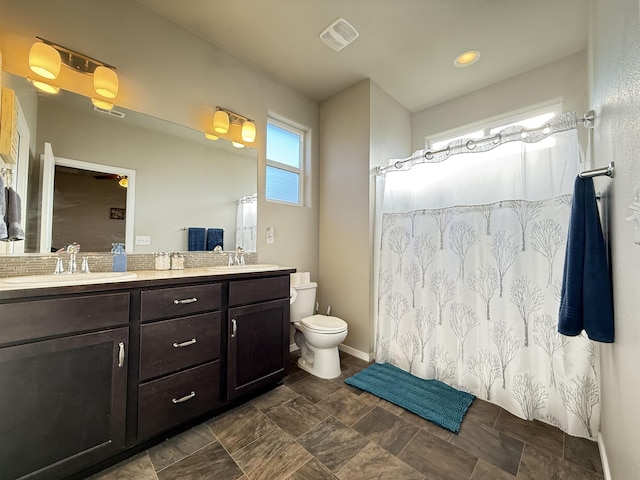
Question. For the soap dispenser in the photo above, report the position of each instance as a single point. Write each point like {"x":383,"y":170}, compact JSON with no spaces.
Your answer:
{"x":119,"y":257}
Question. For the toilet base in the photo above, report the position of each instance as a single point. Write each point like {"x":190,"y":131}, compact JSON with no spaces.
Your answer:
{"x":324,"y":364}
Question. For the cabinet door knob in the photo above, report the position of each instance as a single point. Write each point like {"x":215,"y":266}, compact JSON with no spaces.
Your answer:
{"x":184,"y":344}
{"x":184,"y":300}
{"x":121,"y":354}
{"x":184,"y":399}
{"x":234,"y":327}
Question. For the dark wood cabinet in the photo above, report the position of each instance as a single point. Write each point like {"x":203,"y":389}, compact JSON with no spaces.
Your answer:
{"x":63,"y":403}
{"x":89,"y":372}
{"x":257,"y":334}
{"x":180,"y":346}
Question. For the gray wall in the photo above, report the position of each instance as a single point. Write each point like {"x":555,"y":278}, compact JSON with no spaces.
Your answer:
{"x":615,"y":96}
{"x":361,"y":127}
{"x":344,"y":211}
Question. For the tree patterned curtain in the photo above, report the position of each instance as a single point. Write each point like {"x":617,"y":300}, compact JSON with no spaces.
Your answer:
{"x":469,"y":278}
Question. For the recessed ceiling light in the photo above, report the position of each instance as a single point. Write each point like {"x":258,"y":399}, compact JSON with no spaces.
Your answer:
{"x":466,"y":58}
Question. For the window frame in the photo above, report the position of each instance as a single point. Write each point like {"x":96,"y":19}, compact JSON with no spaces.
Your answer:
{"x":489,"y":124}
{"x":300,"y":171}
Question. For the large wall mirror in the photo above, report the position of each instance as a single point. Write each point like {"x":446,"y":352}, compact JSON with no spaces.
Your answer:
{"x":182,"y":180}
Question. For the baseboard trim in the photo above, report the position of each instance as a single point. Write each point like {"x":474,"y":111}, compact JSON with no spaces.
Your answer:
{"x":367,"y":357}
{"x":603,"y":457}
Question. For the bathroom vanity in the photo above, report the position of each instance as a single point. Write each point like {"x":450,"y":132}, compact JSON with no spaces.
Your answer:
{"x":91,"y":371}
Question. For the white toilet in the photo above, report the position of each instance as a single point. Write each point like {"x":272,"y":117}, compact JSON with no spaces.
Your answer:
{"x":317,"y":336}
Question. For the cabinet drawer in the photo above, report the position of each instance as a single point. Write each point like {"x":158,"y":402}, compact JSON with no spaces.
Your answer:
{"x":177,"y":398}
{"x":60,"y":316}
{"x":243,"y":292}
{"x":178,"y":301}
{"x":171,"y":345}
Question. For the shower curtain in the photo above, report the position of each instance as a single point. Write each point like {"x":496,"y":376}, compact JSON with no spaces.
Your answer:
{"x":470,"y":270}
{"x":247,"y":222}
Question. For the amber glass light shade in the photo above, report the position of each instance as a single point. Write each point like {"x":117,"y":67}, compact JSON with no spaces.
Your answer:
{"x":44,"y":60}
{"x":105,"y":82}
{"x":221,"y":121}
{"x":248,"y":131}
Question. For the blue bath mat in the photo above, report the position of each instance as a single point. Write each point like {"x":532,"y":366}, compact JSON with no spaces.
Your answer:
{"x":431,"y":399}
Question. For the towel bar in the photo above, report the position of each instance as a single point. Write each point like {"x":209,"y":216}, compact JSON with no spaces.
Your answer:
{"x":598,"y":172}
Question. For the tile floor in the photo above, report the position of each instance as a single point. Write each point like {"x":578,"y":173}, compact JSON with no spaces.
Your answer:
{"x":313,"y":429}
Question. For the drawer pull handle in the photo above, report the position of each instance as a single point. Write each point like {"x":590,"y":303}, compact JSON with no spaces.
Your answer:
{"x":234,"y":327}
{"x":184,"y":344}
{"x":185,"y":300}
{"x":121,"y":354}
{"x":184,"y":399}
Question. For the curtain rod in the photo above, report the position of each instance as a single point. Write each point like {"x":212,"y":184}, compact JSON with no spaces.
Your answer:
{"x":564,"y":122}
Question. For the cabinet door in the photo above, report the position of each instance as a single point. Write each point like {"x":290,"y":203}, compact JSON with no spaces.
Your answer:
{"x":63,"y":404}
{"x":258,"y":346}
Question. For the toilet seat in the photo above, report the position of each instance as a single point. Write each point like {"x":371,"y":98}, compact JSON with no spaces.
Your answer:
{"x":324,"y":324}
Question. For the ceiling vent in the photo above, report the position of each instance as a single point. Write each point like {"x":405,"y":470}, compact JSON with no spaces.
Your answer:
{"x":339,"y":34}
{"x":113,"y":113}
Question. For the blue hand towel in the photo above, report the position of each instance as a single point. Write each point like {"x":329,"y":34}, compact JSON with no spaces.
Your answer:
{"x":587,"y":299}
{"x":196,"y":239}
{"x":215,"y":237}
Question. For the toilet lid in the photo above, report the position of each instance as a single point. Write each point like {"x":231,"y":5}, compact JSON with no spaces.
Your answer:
{"x":324,"y":324}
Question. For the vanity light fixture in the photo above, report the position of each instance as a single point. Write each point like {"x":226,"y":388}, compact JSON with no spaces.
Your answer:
{"x":44,"y":60}
{"x":123,"y":182}
{"x":103,"y":104}
{"x":46,"y":57}
{"x":44,"y":87}
{"x":221,"y":121}
{"x":105,"y":82}
{"x":466,"y":58}
{"x":248,"y":131}
{"x":224,"y":119}
{"x":238,"y":144}
{"x":210,"y":136}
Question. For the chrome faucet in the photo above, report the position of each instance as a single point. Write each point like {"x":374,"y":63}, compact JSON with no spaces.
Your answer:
{"x":73,"y":250}
{"x":239,"y":260}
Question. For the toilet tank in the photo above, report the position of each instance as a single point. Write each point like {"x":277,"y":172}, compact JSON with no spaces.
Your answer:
{"x":304,"y":302}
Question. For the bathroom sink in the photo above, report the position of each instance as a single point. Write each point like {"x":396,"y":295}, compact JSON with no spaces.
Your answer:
{"x":66,"y":279}
{"x":258,"y":267}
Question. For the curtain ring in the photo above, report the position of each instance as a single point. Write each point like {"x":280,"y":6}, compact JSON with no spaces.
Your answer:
{"x":428,"y":155}
{"x":471,"y":145}
{"x":546,"y":129}
{"x":398,"y":165}
{"x":497,"y":139}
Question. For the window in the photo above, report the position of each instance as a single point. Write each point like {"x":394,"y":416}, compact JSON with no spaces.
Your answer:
{"x":285,"y":152}
{"x":531,"y":119}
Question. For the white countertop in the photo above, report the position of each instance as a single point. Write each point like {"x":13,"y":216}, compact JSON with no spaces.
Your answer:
{"x":65,"y":280}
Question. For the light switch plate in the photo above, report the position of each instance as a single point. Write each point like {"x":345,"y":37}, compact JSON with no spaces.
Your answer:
{"x":143,"y":240}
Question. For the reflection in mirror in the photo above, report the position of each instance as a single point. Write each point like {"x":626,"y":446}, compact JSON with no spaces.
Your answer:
{"x":80,"y":198}
{"x":182,"y":179}
{"x":76,"y":210}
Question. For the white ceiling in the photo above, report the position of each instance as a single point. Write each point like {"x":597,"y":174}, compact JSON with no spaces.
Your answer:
{"x":406,"y":47}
